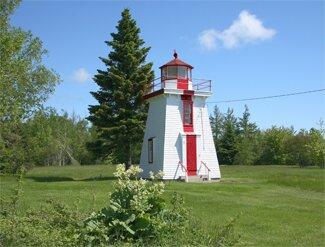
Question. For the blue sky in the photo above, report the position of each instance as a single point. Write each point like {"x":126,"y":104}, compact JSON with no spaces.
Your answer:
{"x":248,"y":49}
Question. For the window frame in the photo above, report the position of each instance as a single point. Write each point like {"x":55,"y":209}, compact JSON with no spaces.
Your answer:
{"x":150,"y":150}
{"x":169,"y":76}
{"x":165,"y":75}
{"x":187,"y":103}
{"x":179,"y":68}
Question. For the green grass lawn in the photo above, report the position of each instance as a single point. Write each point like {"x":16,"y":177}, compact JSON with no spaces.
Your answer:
{"x":281,"y":206}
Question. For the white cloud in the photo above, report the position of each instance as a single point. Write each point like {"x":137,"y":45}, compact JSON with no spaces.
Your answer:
{"x":245,"y":29}
{"x":81,"y":75}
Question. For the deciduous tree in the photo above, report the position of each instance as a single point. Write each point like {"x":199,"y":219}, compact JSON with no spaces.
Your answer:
{"x":25,"y":83}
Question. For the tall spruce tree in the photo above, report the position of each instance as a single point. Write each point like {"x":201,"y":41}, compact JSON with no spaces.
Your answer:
{"x":246,"y":143}
{"x":216,"y":120}
{"x":121,"y":113}
{"x":228,"y":141}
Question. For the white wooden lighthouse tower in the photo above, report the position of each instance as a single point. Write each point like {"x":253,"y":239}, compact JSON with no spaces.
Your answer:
{"x":178,"y":138}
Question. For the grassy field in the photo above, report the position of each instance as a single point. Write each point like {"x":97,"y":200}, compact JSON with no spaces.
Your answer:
{"x":281,"y":206}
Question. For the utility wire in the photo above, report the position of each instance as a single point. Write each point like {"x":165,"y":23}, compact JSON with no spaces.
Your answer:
{"x":267,"y":97}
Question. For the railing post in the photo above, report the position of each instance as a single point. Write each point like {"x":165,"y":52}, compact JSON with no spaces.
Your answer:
{"x":185,"y":170}
{"x":206,"y":168}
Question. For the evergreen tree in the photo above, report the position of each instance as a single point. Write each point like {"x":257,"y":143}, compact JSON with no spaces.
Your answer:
{"x":216,"y":121}
{"x":228,"y":139}
{"x":121,"y":113}
{"x":246,"y":143}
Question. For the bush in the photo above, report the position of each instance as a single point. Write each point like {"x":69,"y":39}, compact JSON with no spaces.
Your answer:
{"x":138,"y":215}
{"x":136,"y":212}
{"x":53,"y":225}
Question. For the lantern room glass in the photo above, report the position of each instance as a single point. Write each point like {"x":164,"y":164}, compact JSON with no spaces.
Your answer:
{"x":175,"y":72}
{"x":172,"y":72}
{"x":182,"y":72}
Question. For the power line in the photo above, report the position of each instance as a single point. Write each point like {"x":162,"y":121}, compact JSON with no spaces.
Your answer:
{"x":267,"y":97}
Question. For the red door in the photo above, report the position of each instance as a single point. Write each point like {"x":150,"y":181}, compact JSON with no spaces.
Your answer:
{"x":191,"y":154}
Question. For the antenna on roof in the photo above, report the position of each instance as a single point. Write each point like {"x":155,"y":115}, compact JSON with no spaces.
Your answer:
{"x":175,"y":54}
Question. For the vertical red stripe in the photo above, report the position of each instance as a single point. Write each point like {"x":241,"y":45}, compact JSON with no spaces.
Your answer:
{"x":191,"y":154}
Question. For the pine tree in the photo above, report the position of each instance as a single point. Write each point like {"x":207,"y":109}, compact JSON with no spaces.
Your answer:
{"x":228,"y":139}
{"x":246,"y":143}
{"x":246,"y":128}
{"x":121,"y":113}
{"x":216,"y":121}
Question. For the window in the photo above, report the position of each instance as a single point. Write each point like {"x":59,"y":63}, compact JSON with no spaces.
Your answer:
{"x":150,"y":150}
{"x":182,"y":72}
{"x":187,"y":110}
{"x":172,"y":71}
{"x":164,"y":73}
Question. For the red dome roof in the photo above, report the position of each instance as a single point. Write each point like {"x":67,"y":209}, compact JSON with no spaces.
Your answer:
{"x":176,"y":62}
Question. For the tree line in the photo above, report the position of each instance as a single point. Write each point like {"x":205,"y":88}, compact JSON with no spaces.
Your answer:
{"x":239,"y":141}
{"x":46,"y":138}
{"x":30,"y":134}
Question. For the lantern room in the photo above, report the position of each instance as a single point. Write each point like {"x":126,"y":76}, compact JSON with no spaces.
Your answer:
{"x":176,"y":74}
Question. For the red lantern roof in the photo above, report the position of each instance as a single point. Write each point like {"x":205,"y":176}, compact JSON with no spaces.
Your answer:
{"x":176,"y":62}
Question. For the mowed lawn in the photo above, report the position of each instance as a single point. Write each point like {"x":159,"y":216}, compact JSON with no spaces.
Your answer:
{"x":280,"y":206}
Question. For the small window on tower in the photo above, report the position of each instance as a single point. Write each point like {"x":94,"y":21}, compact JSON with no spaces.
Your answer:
{"x":150,"y":150}
{"x":187,"y":112}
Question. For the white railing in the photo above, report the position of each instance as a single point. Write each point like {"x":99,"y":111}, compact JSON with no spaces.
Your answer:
{"x":202,"y":85}
{"x":183,"y":169}
{"x":207,"y":169}
{"x":194,"y":84}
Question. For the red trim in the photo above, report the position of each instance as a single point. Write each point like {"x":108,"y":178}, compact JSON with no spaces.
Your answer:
{"x":187,"y":100}
{"x":186,"y":97}
{"x":188,"y":92}
{"x":188,"y":128}
{"x":191,"y":155}
{"x":182,"y":84}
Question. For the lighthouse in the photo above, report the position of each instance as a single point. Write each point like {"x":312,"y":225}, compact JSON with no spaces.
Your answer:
{"x":178,"y":138}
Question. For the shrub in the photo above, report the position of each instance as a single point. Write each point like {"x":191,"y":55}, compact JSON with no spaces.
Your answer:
{"x":138,"y":215}
{"x":53,"y":225}
{"x":136,"y":212}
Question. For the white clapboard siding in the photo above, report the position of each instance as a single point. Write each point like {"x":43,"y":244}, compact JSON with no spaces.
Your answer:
{"x":173,"y":138}
{"x":205,"y":143}
{"x":165,"y":126}
{"x":154,"y":129}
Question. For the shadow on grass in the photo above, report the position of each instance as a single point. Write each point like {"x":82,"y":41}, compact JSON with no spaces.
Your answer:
{"x":99,"y":178}
{"x":48,"y":179}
